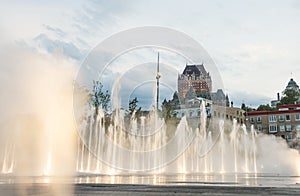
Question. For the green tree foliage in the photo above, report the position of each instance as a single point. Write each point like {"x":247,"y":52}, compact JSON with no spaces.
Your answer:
{"x":246,"y":108}
{"x":168,"y":112}
{"x":99,"y":97}
{"x":290,"y":96}
{"x":175,"y":99}
{"x":265,"y":108}
{"x":133,"y":107}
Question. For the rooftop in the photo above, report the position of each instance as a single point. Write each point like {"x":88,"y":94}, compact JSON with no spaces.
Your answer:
{"x":194,"y":69}
{"x":283,"y":109}
{"x":292,"y":84}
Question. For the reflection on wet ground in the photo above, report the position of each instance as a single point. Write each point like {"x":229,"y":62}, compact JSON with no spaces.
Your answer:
{"x":170,"y":179}
{"x":151,"y":184}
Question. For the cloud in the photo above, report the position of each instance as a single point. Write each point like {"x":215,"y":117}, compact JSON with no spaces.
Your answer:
{"x":69,"y":49}
{"x":57,"y":31}
{"x":249,"y":98}
{"x":261,"y":47}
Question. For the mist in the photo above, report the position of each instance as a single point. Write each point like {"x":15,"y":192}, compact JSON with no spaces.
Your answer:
{"x":37,"y":129}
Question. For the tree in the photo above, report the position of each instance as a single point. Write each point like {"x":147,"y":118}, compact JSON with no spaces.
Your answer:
{"x":133,"y":107}
{"x":167,"y":110}
{"x":246,"y":108}
{"x":175,"y":101}
{"x":265,"y":108}
{"x":99,"y":97}
{"x":290,"y":96}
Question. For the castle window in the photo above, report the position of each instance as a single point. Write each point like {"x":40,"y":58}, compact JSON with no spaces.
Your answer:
{"x":282,"y":128}
{"x":288,"y":117}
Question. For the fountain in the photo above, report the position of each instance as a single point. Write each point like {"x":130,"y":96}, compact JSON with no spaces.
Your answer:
{"x":114,"y":148}
{"x":142,"y":149}
{"x":142,"y":145}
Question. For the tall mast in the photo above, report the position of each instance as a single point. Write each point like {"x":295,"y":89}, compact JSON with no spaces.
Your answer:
{"x":157,"y":82}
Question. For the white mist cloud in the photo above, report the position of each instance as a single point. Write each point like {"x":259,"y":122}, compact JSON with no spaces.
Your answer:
{"x":37,"y":111}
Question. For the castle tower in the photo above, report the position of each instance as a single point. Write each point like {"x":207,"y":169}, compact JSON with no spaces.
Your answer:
{"x":194,"y":76}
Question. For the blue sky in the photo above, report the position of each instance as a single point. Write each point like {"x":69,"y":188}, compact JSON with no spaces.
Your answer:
{"x":255,"y":44}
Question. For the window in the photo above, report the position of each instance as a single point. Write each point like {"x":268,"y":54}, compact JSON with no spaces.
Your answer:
{"x":288,"y":117}
{"x":251,"y":120}
{"x":258,"y":119}
{"x":199,"y":113}
{"x":272,"y":118}
{"x":259,"y":128}
{"x":288,"y":128}
{"x":282,"y":128}
{"x":281,"y":118}
{"x":298,"y":127}
{"x":298,"y":135}
{"x":273,"y":128}
{"x":182,"y":114}
{"x":289,"y":137}
{"x":191,"y":114}
{"x":297,"y":116}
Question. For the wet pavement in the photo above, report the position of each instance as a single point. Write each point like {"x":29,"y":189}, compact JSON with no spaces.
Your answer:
{"x":242,"y":184}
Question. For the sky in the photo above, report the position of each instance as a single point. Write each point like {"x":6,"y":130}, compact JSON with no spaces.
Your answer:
{"x":255,"y":44}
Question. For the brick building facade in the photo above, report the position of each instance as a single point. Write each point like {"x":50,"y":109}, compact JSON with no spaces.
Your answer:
{"x":284,"y":122}
{"x":194,"y":76}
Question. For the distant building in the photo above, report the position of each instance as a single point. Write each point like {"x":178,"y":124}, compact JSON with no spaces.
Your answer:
{"x":291,"y":85}
{"x":228,"y":113}
{"x":192,"y":108}
{"x":284,"y":122}
{"x":194,"y":87}
{"x":219,"y":98}
{"x":194,"y":76}
{"x":276,"y":101}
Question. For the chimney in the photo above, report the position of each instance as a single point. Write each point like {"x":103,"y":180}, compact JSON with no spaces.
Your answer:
{"x":278,"y":97}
